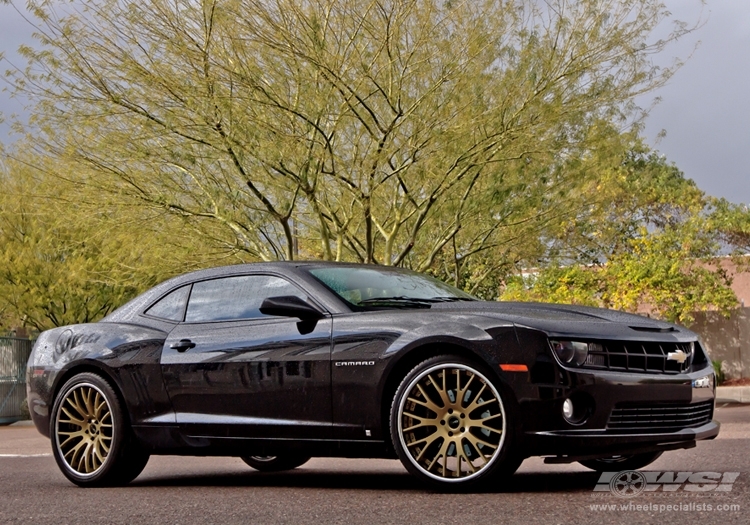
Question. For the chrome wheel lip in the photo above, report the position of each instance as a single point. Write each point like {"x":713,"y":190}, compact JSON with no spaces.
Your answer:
{"x":68,"y":467}
{"x":613,"y":460}
{"x":263,"y":459}
{"x":404,"y":446}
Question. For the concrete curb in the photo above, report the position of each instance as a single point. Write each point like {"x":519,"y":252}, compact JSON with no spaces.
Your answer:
{"x":733,"y":394}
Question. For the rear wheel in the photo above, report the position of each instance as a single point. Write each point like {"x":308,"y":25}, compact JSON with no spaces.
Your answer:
{"x":450,"y":424}
{"x":91,"y":440}
{"x":275,"y":463}
{"x":619,"y":463}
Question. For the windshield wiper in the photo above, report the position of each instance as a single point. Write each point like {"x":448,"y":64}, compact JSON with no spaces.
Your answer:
{"x":399,"y":300}
{"x":417,"y":301}
{"x":449,"y":299}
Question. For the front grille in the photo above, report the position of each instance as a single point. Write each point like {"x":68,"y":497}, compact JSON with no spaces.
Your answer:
{"x":630,"y":416}
{"x":637,"y":356}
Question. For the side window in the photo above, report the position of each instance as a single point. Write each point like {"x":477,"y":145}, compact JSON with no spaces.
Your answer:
{"x":237,"y":297}
{"x":172,"y":306}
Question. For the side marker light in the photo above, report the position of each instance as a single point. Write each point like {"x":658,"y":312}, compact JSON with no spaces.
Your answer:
{"x":514,"y":368}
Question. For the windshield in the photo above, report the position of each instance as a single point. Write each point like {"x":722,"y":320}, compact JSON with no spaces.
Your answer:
{"x":386,"y":287}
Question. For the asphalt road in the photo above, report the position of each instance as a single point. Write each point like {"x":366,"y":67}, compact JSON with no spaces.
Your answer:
{"x":329,"y":491}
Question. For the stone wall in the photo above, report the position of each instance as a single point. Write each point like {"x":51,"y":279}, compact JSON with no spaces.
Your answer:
{"x":726,"y":339}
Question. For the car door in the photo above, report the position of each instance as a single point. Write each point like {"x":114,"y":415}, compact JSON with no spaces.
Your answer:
{"x":232,"y":371}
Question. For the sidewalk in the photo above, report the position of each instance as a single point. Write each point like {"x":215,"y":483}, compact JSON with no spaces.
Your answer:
{"x":733,"y":394}
{"x":22,"y":440}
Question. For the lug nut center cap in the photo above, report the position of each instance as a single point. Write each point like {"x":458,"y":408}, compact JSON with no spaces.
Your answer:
{"x":454,"y":422}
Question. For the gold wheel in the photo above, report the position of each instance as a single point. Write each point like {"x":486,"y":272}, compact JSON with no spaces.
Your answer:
{"x":84,"y":429}
{"x":451,"y":422}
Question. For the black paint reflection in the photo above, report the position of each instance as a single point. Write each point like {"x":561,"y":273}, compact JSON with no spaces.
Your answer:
{"x":262,"y":373}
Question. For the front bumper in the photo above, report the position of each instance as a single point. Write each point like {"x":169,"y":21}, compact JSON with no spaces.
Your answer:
{"x":584,"y":444}
{"x":603,"y":394}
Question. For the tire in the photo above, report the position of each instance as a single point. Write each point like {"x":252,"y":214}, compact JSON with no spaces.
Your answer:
{"x":620,"y":463}
{"x":92,"y":442}
{"x":452,"y":426}
{"x":275,"y":463}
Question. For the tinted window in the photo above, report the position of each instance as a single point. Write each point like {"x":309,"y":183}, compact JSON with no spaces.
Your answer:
{"x":171,"y":306}
{"x":361,"y":284}
{"x":235,"y":297}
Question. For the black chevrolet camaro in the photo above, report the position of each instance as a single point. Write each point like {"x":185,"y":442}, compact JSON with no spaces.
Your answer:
{"x":280,"y":362}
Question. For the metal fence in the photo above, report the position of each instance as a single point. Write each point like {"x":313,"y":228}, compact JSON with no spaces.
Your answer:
{"x":14,"y":353}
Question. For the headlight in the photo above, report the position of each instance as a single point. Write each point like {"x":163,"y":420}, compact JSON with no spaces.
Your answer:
{"x":571,"y":352}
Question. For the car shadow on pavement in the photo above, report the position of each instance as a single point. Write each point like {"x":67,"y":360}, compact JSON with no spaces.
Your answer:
{"x":523,"y":482}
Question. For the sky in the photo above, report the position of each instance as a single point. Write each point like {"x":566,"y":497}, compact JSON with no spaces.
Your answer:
{"x":703,"y":113}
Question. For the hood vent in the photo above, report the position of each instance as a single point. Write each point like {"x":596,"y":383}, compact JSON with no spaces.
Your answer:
{"x":654,"y":329}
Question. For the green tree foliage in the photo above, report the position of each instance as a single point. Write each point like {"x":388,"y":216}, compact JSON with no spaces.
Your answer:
{"x":732,"y":223}
{"x":370,"y":130}
{"x":646,"y":243}
{"x":65,"y":261}
{"x":471,"y":139}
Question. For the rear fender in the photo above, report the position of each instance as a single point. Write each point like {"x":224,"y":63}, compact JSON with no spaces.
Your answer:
{"x":127,"y":355}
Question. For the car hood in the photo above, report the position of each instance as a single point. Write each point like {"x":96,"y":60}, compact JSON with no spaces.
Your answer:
{"x":569,"y":320}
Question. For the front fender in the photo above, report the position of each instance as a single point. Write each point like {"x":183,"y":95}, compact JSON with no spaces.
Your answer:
{"x":462,"y":334}
{"x":490,"y":340}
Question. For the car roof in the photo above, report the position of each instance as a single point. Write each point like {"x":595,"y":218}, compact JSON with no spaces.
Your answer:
{"x":134,"y":307}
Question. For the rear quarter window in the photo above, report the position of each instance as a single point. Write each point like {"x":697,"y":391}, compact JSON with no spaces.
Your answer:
{"x":171,"y":307}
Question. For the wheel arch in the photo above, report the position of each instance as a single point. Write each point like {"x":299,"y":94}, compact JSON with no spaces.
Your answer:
{"x":93,"y":367}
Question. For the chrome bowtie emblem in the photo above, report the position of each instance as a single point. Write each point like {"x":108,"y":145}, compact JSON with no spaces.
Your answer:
{"x":678,"y":356}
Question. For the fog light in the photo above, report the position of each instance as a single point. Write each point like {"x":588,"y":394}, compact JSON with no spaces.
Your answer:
{"x":568,"y":409}
{"x":704,"y":382}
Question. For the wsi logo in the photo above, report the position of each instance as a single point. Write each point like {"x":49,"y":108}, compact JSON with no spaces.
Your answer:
{"x":630,"y":483}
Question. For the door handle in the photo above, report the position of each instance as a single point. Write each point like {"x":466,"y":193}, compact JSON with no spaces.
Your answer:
{"x":182,"y":345}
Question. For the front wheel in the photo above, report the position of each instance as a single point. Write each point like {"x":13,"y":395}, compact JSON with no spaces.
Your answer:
{"x":620,"y":463}
{"x":275,"y":463}
{"x":91,"y":440}
{"x":450,"y":424}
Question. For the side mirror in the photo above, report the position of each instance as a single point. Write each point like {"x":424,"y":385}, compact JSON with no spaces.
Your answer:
{"x":290,"y":306}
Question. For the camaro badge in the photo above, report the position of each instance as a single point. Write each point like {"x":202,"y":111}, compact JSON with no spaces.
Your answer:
{"x":355,"y":363}
{"x":678,"y":356}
